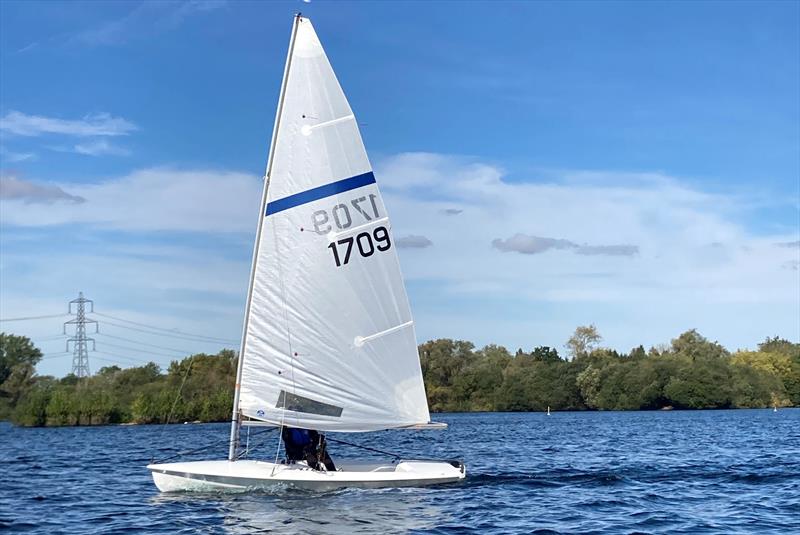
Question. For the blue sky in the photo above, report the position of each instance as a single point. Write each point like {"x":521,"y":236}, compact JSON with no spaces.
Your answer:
{"x":632,"y":165}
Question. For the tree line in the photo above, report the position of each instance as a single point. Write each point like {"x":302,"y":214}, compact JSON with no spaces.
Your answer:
{"x":689,"y":373}
{"x":141,"y":394}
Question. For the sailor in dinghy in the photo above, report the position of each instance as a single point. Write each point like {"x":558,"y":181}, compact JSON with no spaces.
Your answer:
{"x":308,"y":446}
{"x":325,"y":295}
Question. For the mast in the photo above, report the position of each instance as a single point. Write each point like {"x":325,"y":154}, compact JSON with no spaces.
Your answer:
{"x":234,"y":440}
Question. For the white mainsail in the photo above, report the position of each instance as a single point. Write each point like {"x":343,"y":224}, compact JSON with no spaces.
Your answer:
{"x":329,"y":338}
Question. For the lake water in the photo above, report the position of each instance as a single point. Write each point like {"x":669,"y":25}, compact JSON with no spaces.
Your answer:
{"x":612,"y":472}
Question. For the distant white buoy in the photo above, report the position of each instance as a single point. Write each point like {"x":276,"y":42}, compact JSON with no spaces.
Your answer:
{"x":548,"y":410}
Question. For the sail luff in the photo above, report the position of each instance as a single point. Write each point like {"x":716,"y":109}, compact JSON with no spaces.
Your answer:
{"x":234,"y":440}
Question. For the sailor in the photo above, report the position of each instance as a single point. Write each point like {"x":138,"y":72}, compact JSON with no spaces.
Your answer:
{"x":307,"y":445}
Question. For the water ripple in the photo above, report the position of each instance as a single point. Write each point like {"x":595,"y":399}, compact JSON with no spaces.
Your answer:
{"x":678,"y":472}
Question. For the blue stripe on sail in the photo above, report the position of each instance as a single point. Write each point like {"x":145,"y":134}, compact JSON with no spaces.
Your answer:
{"x":320,"y":192}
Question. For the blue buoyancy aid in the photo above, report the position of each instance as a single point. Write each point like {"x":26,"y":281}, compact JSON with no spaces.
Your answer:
{"x":300,"y":437}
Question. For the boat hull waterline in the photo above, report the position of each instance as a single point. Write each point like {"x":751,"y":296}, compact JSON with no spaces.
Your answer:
{"x":204,"y":476}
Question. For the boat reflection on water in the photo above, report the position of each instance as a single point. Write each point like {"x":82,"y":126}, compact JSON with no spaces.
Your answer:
{"x":343,"y":511}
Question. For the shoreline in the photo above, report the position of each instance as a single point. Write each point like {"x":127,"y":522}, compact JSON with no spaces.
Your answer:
{"x":544,"y":412}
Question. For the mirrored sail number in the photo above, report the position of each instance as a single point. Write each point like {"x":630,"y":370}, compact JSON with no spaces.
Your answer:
{"x":364,"y":208}
{"x":365,"y":242}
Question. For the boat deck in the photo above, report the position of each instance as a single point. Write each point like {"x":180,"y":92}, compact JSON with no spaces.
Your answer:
{"x":250,"y":474}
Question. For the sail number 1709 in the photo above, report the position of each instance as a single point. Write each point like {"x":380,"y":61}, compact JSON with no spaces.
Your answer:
{"x":366,"y":243}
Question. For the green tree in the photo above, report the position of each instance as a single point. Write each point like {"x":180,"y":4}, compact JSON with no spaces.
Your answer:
{"x":32,"y":410}
{"x":583,"y":341}
{"x":17,"y":383}
{"x":514,"y":394}
{"x":18,"y":359}
{"x":474,"y":388}
{"x":60,"y":407}
{"x":693,"y":345}
{"x":589,"y":384}
{"x":638,"y":353}
{"x":442,"y":361}
{"x":773,"y":369}
{"x":15,"y":351}
{"x":545,"y":354}
{"x":705,"y":384}
{"x":780,"y":346}
{"x":689,"y":373}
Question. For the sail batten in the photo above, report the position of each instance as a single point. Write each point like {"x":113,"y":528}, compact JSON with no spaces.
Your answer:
{"x":330,"y":342}
{"x":307,"y":130}
{"x":361,"y":340}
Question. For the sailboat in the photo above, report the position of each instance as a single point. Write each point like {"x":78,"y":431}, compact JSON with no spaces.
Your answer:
{"x":328,"y":341}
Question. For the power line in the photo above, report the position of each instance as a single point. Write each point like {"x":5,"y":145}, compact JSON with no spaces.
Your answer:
{"x":183,"y":351}
{"x":109,"y":360}
{"x":48,"y":356}
{"x":51,"y":338}
{"x":148,"y":352}
{"x":142,"y":361}
{"x":176,"y":336}
{"x":34,"y":318}
{"x":172,"y":332}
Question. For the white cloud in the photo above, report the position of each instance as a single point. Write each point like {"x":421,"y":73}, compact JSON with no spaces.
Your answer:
{"x":698,"y":264}
{"x":146,"y":19}
{"x":7,"y":156}
{"x":153,"y":199}
{"x":413,"y":242}
{"x":525,"y":244}
{"x":100,"y":147}
{"x":451,"y":211}
{"x":522,"y":243}
{"x":607,"y":250}
{"x":15,"y":189}
{"x":26,"y":48}
{"x":665,"y":229}
{"x":98,"y":124}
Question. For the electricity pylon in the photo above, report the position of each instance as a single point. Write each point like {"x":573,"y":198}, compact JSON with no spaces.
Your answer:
{"x":80,"y":348}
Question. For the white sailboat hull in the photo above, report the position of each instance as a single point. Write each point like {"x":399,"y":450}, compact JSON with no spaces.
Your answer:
{"x":204,"y":476}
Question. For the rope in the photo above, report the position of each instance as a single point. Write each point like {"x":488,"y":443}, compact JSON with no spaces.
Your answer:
{"x":280,"y":437}
{"x":257,"y":444}
{"x":212,"y":445}
{"x":269,"y":429}
{"x":387,"y":453}
{"x":178,"y":395}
